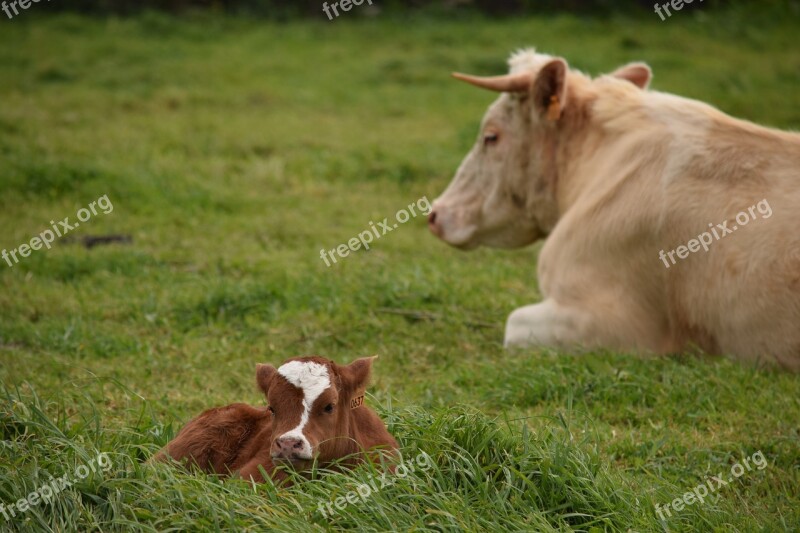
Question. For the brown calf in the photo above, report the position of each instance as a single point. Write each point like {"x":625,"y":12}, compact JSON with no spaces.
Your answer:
{"x":316,"y":412}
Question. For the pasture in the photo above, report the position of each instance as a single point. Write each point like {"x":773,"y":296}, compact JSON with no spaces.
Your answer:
{"x":233,"y":150}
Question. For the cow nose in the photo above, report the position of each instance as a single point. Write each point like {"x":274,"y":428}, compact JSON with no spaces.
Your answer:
{"x":290,"y":444}
{"x":432,"y":225}
{"x":289,"y":447}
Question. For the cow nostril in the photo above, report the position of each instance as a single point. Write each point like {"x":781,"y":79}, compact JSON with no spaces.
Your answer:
{"x":432,"y":218}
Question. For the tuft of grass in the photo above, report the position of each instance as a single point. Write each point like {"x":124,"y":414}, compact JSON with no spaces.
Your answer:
{"x":461,"y":470}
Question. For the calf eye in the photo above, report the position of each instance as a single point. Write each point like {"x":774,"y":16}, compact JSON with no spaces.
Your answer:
{"x":490,"y":138}
{"x":329,"y":408}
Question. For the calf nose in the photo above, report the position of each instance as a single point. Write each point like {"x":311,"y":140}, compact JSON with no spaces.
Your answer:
{"x":289,"y":446}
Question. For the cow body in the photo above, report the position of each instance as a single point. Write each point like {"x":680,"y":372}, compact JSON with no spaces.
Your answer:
{"x":614,"y":177}
{"x":224,"y":440}
{"x":316,"y":412}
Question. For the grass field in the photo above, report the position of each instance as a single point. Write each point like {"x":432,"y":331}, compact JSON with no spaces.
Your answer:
{"x":232,"y":151}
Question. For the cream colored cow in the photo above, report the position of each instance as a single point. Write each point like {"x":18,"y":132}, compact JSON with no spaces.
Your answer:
{"x":629,"y":186}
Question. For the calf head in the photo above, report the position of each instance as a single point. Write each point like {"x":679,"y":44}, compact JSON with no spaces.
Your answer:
{"x":311,"y":400}
{"x":504,"y":193}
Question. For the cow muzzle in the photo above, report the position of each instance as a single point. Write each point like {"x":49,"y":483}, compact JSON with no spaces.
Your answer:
{"x":444,"y":223}
{"x":290,"y":448}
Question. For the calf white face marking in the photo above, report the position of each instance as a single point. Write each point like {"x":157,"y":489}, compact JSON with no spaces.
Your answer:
{"x":313,"y":379}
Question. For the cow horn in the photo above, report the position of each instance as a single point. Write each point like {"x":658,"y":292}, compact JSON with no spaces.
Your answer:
{"x":510,"y":83}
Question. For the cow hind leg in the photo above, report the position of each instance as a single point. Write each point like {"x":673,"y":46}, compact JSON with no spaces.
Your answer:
{"x":193,"y":446}
{"x":214,"y":440}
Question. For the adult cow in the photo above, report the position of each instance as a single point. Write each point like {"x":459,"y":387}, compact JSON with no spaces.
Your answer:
{"x":316,"y":412}
{"x":614,"y":174}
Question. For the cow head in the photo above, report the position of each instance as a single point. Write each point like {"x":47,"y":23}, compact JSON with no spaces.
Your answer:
{"x":311,"y":400}
{"x":504,"y":193}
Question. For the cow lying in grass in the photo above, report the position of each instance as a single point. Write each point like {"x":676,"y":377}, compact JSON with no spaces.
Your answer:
{"x":639,"y":194}
{"x":316,"y":412}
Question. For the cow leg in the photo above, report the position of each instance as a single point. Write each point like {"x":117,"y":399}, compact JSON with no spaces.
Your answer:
{"x":251,"y":471}
{"x":559,"y":326}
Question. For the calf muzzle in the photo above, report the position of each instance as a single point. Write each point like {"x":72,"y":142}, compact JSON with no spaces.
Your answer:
{"x":290,"y":449}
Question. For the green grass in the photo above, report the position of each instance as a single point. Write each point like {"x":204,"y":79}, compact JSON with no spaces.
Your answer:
{"x":233,"y":150}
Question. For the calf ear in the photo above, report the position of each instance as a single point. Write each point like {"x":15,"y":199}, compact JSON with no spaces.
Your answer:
{"x":264,"y":375}
{"x":356,"y":375}
{"x":638,"y":74}
{"x":550,"y":89}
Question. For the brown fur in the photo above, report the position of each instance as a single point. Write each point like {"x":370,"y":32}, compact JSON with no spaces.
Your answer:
{"x":240,"y":439}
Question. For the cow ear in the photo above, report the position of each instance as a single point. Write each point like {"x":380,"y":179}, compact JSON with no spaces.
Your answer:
{"x":264,"y":375}
{"x":550,"y":89}
{"x":356,"y":375}
{"x":638,"y":74}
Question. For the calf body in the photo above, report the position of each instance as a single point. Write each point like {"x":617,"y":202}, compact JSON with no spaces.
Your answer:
{"x":316,"y":412}
{"x":224,"y":440}
{"x":614,"y":175}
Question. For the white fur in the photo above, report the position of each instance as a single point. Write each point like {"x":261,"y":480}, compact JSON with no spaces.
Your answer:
{"x":527,"y":59}
{"x":313,"y":379}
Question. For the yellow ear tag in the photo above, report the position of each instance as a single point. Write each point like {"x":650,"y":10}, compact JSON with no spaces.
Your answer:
{"x":554,"y":109}
{"x":357,"y":402}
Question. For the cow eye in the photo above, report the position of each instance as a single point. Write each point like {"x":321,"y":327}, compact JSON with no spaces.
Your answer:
{"x":271,"y":409}
{"x":490,"y":138}
{"x":329,"y":408}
